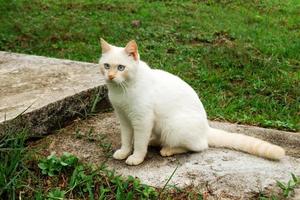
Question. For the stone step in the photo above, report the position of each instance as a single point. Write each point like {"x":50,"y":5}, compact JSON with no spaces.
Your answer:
{"x":45,"y":92}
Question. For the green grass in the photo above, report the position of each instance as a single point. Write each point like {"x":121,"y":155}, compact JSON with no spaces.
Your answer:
{"x":12,"y":159}
{"x":242,"y":57}
{"x":289,"y":187}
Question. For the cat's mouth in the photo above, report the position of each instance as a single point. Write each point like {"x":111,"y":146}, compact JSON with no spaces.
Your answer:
{"x":110,"y":80}
{"x":113,"y":81}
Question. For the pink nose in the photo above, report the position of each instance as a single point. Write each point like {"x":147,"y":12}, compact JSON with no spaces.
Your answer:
{"x":111,"y":77}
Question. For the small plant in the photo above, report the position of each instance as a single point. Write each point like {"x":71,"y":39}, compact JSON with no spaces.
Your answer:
{"x":106,"y":146}
{"x":90,"y":136}
{"x":131,"y":187}
{"x":52,"y":165}
{"x":263,"y":197}
{"x":56,"y":194}
{"x":290,"y":186}
{"x":78,"y":134}
{"x":12,"y":159}
{"x":161,"y":192}
{"x":82,"y":180}
{"x":96,"y":100}
{"x":287,"y":188}
{"x":38,"y":195}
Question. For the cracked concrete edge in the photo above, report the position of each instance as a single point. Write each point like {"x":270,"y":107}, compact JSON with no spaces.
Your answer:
{"x":56,"y":115}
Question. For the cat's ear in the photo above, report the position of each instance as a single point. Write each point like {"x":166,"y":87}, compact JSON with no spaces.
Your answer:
{"x":132,"y":49}
{"x":104,"y":46}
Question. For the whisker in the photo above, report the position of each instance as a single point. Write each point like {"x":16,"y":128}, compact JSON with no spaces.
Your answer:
{"x":124,"y":89}
{"x":120,"y":84}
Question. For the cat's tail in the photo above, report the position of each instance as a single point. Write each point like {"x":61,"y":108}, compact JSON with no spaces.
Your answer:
{"x":251,"y":145}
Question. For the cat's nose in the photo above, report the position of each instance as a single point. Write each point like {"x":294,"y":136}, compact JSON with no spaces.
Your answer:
{"x":111,"y":77}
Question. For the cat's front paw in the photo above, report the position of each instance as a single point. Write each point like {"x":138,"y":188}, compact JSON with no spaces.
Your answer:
{"x":134,"y":160}
{"x":121,"y":154}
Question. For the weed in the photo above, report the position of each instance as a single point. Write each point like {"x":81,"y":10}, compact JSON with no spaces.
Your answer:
{"x":56,"y":194}
{"x":105,"y":145}
{"x":96,"y":100}
{"x":80,"y":180}
{"x":12,"y":159}
{"x":52,"y":165}
{"x":38,"y":195}
{"x":161,"y":192}
{"x":90,"y":135}
{"x":289,"y":187}
{"x":286,"y":188}
{"x":78,"y":134}
{"x":263,"y":197}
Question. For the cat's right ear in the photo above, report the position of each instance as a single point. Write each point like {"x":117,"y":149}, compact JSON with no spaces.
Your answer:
{"x":132,"y":49}
{"x":104,"y":46}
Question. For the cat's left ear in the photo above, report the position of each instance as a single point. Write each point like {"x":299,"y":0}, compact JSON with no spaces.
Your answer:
{"x":132,"y":49}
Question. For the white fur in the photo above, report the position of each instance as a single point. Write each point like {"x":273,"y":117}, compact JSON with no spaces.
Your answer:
{"x":156,"y":107}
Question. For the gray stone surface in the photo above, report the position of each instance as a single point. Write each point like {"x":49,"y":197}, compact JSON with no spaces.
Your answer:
{"x":221,"y":173}
{"x":47,"y":91}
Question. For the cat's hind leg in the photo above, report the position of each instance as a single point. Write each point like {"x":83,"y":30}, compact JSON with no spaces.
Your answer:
{"x":169,"y":151}
{"x":194,"y":143}
{"x":198,"y":146}
{"x":182,"y":133}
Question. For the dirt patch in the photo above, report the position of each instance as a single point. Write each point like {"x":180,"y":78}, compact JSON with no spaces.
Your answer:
{"x":218,"y":39}
{"x":83,"y":138}
{"x":223,"y":39}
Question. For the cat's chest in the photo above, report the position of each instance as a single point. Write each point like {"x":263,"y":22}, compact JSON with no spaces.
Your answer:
{"x":121,"y":100}
{"x":132,"y":103}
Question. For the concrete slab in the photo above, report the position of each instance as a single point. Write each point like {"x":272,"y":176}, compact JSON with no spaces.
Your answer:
{"x":221,"y":173}
{"x":47,"y":90}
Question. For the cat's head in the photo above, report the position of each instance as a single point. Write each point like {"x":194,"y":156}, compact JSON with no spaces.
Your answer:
{"x":118,"y":64}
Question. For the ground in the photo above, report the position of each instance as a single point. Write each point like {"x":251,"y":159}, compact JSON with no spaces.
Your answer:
{"x":226,"y":174}
{"x":240,"y":56}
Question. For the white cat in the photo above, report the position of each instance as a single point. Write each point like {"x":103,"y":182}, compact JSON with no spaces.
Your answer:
{"x":155,"y":107}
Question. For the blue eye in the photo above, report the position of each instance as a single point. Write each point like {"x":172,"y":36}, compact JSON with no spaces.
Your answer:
{"x":121,"y":67}
{"x":106,"y":66}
